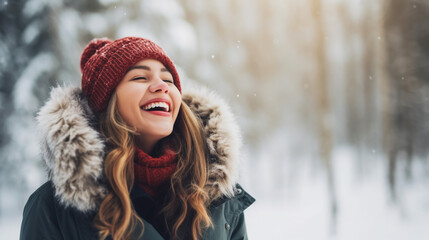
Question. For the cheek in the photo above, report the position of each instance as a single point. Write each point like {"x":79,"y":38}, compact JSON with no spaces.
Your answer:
{"x":177,"y":101}
{"x":125,"y":108}
{"x":123,"y":111}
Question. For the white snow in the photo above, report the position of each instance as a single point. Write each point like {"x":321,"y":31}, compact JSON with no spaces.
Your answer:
{"x":107,"y":2}
{"x":24,"y":99}
{"x":10,"y":226}
{"x":33,"y":7}
{"x":364,"y":209}
{"x":184,"y":36}
{"x":31,"y":32}
{"x":96,"y":23}
{"x":165,"y":8}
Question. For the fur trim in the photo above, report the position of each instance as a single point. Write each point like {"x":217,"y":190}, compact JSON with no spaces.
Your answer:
{"x":222,"y":137}
{"x":74,"y":151}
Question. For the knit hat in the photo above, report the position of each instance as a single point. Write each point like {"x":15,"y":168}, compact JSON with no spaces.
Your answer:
{"x":104,"y":63}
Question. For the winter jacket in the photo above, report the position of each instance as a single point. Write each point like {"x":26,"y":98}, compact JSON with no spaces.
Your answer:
{"x":74,"y":150}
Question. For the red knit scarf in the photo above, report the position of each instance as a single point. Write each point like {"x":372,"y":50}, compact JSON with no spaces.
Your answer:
{"x":152,"y":172}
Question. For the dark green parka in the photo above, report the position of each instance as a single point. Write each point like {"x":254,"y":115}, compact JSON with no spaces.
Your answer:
{"x":73,"y":149}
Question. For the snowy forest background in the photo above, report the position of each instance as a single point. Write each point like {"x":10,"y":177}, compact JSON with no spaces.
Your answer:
{"x":332,"y":98}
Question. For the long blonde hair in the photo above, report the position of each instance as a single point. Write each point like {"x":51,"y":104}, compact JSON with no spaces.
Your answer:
{"x":185,"y":211}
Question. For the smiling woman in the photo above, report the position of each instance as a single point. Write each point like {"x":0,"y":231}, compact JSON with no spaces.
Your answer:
{"x":149,"y":101}
{"x":130,"y":157}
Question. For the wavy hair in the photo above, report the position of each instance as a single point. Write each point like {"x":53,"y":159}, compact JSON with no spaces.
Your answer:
{"x":185,"y":209}
{"x":186,"y":213}
{"x":116,"y":216}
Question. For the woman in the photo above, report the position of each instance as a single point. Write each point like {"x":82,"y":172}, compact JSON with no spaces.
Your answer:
{"x":129,"y":157}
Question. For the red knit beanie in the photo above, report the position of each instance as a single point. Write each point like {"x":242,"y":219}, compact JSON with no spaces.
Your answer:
{"x":104,"y":63}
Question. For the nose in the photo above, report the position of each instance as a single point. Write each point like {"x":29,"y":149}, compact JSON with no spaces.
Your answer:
{"x":159,"y":86}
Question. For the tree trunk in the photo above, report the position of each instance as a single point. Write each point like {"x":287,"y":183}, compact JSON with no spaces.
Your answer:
{"x":323,"y":106}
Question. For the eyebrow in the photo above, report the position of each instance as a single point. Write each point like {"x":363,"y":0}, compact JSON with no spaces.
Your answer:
{"x":144,"y":67}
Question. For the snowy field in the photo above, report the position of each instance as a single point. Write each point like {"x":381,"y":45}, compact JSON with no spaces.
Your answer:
{"x":365,"y":210}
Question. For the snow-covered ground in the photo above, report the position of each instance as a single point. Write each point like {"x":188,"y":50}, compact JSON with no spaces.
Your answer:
{"x":9,"y":226}
{"x":365,"y":210}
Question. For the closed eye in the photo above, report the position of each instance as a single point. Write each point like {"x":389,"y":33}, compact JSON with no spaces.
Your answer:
{"x":138,"y":78}
{"x":169,"y":81}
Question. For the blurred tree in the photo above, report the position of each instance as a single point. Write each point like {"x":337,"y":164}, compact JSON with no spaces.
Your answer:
{"x":322,"y":105}
{"x":354,"y":116}
{"x":359,"y":38}
{"x":406,"y":102}
{"x":25,"y":65}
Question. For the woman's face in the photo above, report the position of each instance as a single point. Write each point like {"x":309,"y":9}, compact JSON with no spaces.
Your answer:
{"x":149,"y":101}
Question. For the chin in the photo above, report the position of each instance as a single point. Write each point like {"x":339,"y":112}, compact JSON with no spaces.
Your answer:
{"x":165,"y":131}
{"x":166,"y":134}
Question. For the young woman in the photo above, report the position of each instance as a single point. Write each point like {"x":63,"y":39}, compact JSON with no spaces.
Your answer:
{"x":130,"y":157}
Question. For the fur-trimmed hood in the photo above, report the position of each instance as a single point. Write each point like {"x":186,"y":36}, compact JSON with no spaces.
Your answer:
{"x":74,"y":150}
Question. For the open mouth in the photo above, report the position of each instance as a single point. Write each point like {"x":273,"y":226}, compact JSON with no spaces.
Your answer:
{"x":156,"y":106}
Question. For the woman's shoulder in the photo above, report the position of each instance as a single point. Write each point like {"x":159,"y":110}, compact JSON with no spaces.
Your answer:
{"x":241,"y":200}
{"x":44,"y":195}
{"x":43,"y":203}
{"x":228,"y":216}
{"x":39,"y":219}
{"x":234,"y":205}
{"x":45,"y":217}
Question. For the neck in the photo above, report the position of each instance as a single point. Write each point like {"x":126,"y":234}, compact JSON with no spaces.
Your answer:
{"x":146,"y":144}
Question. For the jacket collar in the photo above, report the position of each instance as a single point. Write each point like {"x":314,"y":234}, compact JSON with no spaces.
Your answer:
{"x":74,"y":150}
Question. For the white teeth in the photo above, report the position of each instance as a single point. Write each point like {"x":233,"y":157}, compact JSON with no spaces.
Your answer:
{"x":158,"y":104}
